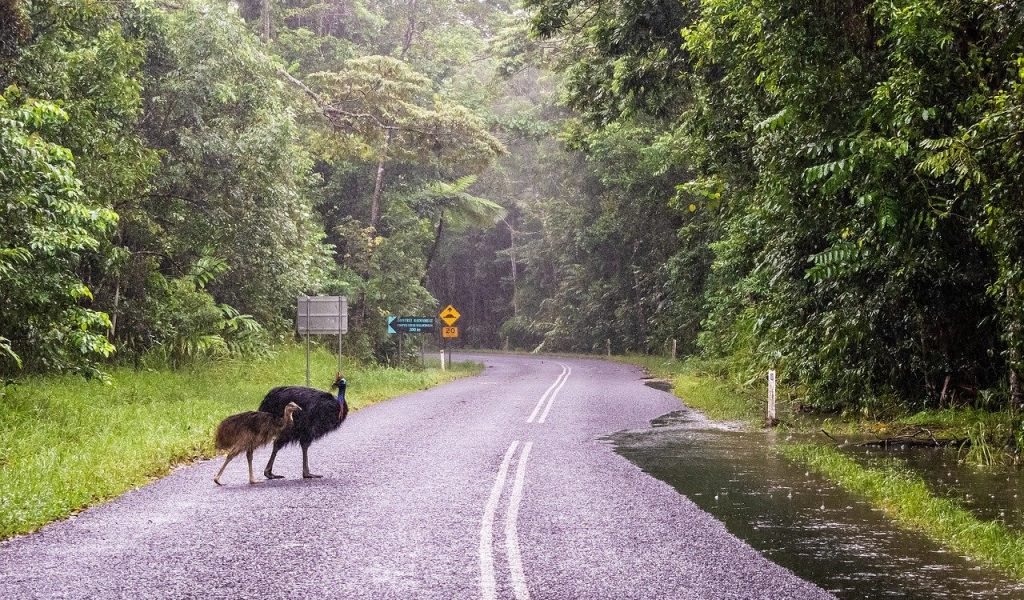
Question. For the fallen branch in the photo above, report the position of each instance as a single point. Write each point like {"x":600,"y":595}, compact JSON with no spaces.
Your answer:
{"x":920,"y":437}
{"x":829,"y":436}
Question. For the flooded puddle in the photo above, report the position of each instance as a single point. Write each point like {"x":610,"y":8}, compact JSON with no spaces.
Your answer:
{"x":659,"y":384}
{"x":799,"y":520}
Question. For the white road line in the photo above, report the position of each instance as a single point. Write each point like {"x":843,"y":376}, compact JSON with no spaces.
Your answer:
{"x":551,"y":399}
{"x":515,"y":558}
{"x":540,"y":403}
{"x":488,"y":588}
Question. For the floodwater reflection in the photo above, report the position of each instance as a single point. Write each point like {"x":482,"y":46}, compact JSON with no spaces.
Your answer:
{"x":799,"y":520}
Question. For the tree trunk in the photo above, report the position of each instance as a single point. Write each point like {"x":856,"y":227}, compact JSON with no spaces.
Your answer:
{"x":1016,"y":393}
{"x":117,"y":303}
{"x":1013,"y":339}
{"x":378,"y":186}
{"x":265,"y":19}
{"x":410,"y":30}
{"x":433,"y":249}
{"x":512,"y":253}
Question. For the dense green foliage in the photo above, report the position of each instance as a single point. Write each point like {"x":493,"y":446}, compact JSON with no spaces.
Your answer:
{"x":68,"y":111}
{"x":47,"y":225}
{"x":831,"y":190}
{"x":824,"y":189}
{"x":174,"y":176}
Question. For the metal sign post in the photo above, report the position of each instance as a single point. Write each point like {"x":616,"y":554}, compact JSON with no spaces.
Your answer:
{"x":400,"y":325}
{"x":322,"y":315}
{"x":450,"y":315}
{"x":306,"y":298}
{"x":342,"y":309}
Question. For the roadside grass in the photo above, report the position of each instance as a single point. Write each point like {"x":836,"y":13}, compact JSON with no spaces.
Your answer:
{"x":982,"y":427}
{"x":906,"y":498}
{"x":718,"y":399}
{"x":745,"y":401}
{"x":66,"y":443}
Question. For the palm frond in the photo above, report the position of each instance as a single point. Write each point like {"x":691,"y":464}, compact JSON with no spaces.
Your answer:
{"x":461,"y":208}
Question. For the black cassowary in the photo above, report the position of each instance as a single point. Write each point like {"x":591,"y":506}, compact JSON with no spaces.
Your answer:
{"x":321,"y":414}
{"x":247,"y":431}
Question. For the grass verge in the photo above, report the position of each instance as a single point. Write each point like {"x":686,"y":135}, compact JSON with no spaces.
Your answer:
{"x":745,"y":401}
{"x":906,"y":499}
{"x":66,"y":443}
{"x":718,"y":399}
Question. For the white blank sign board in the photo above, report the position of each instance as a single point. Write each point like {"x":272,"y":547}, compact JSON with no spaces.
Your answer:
{"x":322,"y":315}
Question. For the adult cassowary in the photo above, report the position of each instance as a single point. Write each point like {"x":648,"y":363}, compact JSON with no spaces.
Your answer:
{"x":321,"y":414}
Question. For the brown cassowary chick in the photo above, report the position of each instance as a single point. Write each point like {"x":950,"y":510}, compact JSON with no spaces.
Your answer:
{"x":247,"y":431}
{"x":321,"y":414}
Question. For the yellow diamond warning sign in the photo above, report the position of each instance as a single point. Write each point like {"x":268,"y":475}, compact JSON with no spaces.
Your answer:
{"x":449,"y":315}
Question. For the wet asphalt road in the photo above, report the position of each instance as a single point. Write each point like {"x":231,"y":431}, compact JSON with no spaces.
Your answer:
{"x":497,"y":486}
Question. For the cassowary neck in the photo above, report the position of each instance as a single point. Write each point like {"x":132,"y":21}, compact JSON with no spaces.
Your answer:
{"x":289,"y":418}
{"x":342,"y":404}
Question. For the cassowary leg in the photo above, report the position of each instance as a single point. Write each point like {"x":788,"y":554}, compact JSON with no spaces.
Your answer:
{"x":223,"y":466}
{"x":248,"y":457}
{"x":305,"y":463}
{"x":269,"y":471}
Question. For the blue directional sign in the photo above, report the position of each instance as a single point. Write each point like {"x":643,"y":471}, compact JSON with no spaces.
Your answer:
{"x":410,"y":325}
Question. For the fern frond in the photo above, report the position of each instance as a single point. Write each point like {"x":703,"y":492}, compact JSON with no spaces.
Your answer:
{"x":839,"y":260}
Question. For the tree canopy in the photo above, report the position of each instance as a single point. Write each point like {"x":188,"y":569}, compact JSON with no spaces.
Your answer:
{"x":830,"y":190}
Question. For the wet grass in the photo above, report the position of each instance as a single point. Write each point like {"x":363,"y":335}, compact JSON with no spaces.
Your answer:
{"x":718,"y":399}
{"x":906,"y":498}
{"x":990,"y":433}
{"x":66,"y":443}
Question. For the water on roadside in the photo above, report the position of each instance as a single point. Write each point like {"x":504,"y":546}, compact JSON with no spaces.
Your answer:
{"x":993,"y":494}
{"x":800,"y":520}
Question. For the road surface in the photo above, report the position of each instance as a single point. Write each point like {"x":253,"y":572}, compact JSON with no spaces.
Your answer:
{"x":495,"y":487}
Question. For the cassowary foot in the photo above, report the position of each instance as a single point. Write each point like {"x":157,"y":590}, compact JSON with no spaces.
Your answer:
{"x":270,"y":475}
{"x":254,"y":481}
{"x":217,"y":481}
{"x":311,"y":476}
